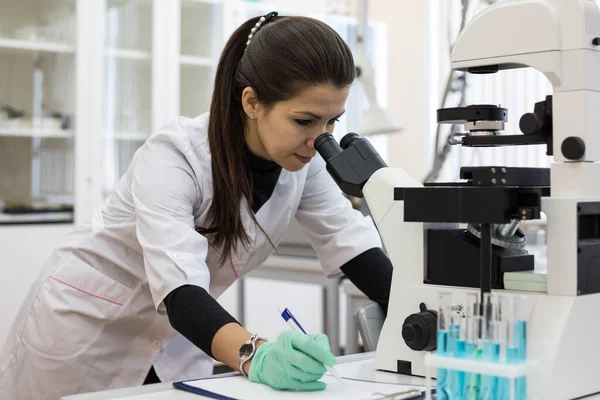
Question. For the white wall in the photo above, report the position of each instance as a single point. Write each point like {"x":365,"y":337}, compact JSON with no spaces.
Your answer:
{"x":24,"y":249}
{"x":418,"y":68}
{"x":413,"y":80}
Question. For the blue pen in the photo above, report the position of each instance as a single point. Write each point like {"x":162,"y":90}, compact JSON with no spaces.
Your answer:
{"x":295,"y":325}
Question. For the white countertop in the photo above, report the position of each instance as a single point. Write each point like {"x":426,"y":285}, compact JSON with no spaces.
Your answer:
{"x":359,"y":366}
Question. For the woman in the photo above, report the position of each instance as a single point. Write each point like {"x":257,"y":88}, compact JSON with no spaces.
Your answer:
{"x":203,"y":202}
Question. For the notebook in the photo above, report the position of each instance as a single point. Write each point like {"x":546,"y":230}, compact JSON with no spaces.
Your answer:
{"x":240,"y":388}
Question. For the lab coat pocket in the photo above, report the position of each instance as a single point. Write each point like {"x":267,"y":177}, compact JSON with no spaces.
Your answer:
{"x":72,"y":309}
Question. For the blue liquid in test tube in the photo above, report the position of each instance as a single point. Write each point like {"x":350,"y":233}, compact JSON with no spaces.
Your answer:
{"x":472,"y":324}
{"x":491,"y":345}
{"x":491,"y":353}
{"x":443,"y":343}
{"x":512,"y":356}
{"x":505,"y":319}
{"x":513,"y":344}
{"x":442,"y":373}
{"x":520,"y":337}
{"x":457,"y":350}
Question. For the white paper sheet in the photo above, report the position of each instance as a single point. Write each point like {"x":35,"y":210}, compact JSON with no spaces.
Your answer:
{"x":241,"y":388}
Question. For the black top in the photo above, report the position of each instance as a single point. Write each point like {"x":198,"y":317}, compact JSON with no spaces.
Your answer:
{"x":263,"y":177}
{"x":194,"y":313}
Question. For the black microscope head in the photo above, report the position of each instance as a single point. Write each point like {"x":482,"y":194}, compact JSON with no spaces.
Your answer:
{"x":351,"y":162}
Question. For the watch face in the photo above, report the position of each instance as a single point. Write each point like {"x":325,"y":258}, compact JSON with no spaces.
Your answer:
{"x":245,"y":350}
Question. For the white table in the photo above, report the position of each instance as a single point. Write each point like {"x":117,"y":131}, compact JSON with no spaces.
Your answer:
{"x":360,"y":366}
{"x":303,"y":270}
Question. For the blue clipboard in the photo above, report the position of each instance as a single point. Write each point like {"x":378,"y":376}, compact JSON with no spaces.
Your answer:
{"x":182,"y":385}
{"x":202,"y":392}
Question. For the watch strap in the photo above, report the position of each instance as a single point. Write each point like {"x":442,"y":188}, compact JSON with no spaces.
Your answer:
{"x":252,"y":342}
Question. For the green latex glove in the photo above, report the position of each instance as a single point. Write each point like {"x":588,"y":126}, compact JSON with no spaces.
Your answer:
{"x":293,"y":362}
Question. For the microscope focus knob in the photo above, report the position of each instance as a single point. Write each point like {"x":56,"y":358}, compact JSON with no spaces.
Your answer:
{"x":419,"y":330}
{"x":531,"y":123}
{"x":573,"y":148}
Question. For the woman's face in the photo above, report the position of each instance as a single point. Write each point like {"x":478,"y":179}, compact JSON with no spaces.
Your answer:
{"x":286,"y":131}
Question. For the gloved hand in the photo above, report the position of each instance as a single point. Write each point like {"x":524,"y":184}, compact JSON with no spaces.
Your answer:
{"x":293,"y":362}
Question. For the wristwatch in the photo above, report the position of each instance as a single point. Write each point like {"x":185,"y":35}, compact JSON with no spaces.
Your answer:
{"x":247,"y":350}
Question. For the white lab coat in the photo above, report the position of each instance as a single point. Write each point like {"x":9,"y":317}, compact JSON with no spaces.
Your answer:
{"x":95,"y":318}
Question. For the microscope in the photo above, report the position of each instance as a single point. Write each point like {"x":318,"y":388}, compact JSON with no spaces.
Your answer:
{"x":419,"y":224}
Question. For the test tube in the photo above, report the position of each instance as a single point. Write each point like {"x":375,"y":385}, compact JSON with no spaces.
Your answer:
{"x":520,"y":341}
{"x":505,"y":321}
{"x":473,"y":324}
{"x":443,"y":348}
{"x":457,"y":350}
{"x":521,"y":314}
{"x":511,"y":337}
{"x":491,"y":343}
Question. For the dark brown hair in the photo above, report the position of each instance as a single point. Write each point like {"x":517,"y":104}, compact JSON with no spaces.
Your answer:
{"x":285,"y":56}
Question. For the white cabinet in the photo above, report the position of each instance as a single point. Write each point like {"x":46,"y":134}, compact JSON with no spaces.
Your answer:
{"x":159,"y":61}
{"x":127,"y":84}
{"x":84,"y":82}
{"x":37,"y":105}
{"x":202,"y":38}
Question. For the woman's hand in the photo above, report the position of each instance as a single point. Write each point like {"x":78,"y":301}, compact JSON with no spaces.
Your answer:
{"x":293,"y":362}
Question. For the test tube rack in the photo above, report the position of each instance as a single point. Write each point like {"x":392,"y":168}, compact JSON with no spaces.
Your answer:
{"x":529,"y":369}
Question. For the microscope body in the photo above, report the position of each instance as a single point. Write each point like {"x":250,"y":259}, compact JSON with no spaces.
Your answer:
{"x":560,"y":38}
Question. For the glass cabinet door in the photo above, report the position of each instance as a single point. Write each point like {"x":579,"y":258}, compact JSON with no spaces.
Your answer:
{"x":201,"y":44}
{"x":127,"y":84}
{"x":37,"y":104}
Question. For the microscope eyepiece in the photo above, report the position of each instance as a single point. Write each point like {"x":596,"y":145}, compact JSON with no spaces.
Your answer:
{"x":348,"y":139}
{"x":350,"y":164}
{"x":327,"y":147}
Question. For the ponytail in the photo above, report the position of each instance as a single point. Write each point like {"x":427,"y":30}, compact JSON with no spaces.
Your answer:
{"x":226,"y":122}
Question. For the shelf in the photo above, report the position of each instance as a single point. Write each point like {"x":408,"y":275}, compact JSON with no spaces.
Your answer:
{"x":44,"y":133}
{"x":128,"y":136}
{"x":128,"y":54}
{"x":197,"y":61}
{"x":32,"y":218}
{"x":32,"y":45}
